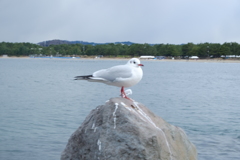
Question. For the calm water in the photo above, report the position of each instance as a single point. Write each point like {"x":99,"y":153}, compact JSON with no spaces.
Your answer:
{"x":41,"y":105}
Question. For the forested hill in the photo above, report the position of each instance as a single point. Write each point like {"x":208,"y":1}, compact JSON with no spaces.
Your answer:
{"x":59,"y":42}
{"x":81,"y":48}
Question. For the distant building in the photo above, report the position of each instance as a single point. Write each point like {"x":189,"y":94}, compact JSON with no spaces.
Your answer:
{"x":230,"y":56}
{"x":147,"y":57}
{"x":5,"y":56}
{"x":160,"y":57}
{"x":194,"y":57}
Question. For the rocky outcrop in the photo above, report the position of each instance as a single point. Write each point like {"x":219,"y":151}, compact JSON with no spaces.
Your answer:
{"x":125,"y":130}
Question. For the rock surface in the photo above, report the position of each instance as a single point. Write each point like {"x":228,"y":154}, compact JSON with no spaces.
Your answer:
{"x":125,"y":130}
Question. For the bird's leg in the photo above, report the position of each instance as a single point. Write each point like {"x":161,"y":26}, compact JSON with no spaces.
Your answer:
{"x":123,"y":94}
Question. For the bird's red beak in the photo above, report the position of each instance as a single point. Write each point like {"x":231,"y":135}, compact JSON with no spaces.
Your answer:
{"x":140,"y":65}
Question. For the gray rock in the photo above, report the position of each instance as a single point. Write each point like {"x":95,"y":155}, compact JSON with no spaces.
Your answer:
{"x":125,"y":130}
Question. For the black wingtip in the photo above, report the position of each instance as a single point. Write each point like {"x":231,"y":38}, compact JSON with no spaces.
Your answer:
{"x":82,"y":77}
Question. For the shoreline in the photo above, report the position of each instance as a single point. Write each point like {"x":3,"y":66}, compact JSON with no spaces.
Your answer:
{"x":155,"y":60}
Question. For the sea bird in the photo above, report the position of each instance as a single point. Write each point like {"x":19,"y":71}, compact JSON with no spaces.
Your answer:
{"x":120,"y":76}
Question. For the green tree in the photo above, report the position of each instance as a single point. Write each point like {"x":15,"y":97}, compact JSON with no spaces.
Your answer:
{"x":203,"y":50}
{"x":187,"y":49}
{"x":89,"y":50}
{"x":22,"y":50}
{"x":5,"y":50}
{"x":233,"y":48}
{"x":194,"y":51}
{"x":214,"y":49}
{"x":224,"y":50}
{"x":136,"y":50}
{"x":171,"y":51}
{"x":161,"y":49}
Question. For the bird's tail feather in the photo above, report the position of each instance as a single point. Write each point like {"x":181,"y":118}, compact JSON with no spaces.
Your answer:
{"x":83,"y":77}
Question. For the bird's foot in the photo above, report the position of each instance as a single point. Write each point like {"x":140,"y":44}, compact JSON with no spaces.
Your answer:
{"x":129,"y":99}
{"x":124,"y":96}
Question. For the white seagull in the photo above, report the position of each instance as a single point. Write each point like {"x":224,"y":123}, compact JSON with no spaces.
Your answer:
{"x":121,"y":76}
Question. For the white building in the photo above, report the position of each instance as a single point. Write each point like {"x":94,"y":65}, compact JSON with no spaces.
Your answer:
{"x":147,"y":57}
{"x":194,"y":57}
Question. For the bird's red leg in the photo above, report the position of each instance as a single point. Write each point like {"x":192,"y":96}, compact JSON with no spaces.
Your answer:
{"x":123,"y":94}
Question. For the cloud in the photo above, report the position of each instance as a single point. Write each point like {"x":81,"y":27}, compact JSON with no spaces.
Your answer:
{"x":156,"y":21}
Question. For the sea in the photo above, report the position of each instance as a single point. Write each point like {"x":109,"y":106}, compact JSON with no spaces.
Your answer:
{"x":41,"y":104}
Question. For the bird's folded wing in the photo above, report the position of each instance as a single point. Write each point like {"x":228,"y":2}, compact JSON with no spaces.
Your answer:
{"x":113,"y":73}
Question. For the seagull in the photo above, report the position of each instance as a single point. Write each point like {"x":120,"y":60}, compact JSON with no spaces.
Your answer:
{"x":120,"y":76}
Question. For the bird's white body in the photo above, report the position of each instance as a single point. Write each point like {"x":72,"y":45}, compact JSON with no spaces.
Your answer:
{"x":121,"y":76}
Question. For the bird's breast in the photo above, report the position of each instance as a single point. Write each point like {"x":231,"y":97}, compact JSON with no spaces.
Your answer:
{"x":136,"y":77}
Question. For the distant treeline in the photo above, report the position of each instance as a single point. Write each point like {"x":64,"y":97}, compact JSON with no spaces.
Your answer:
{"x":202,"y":50}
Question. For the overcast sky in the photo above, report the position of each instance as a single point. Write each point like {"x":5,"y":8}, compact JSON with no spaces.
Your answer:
{"x":139,"y":21}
